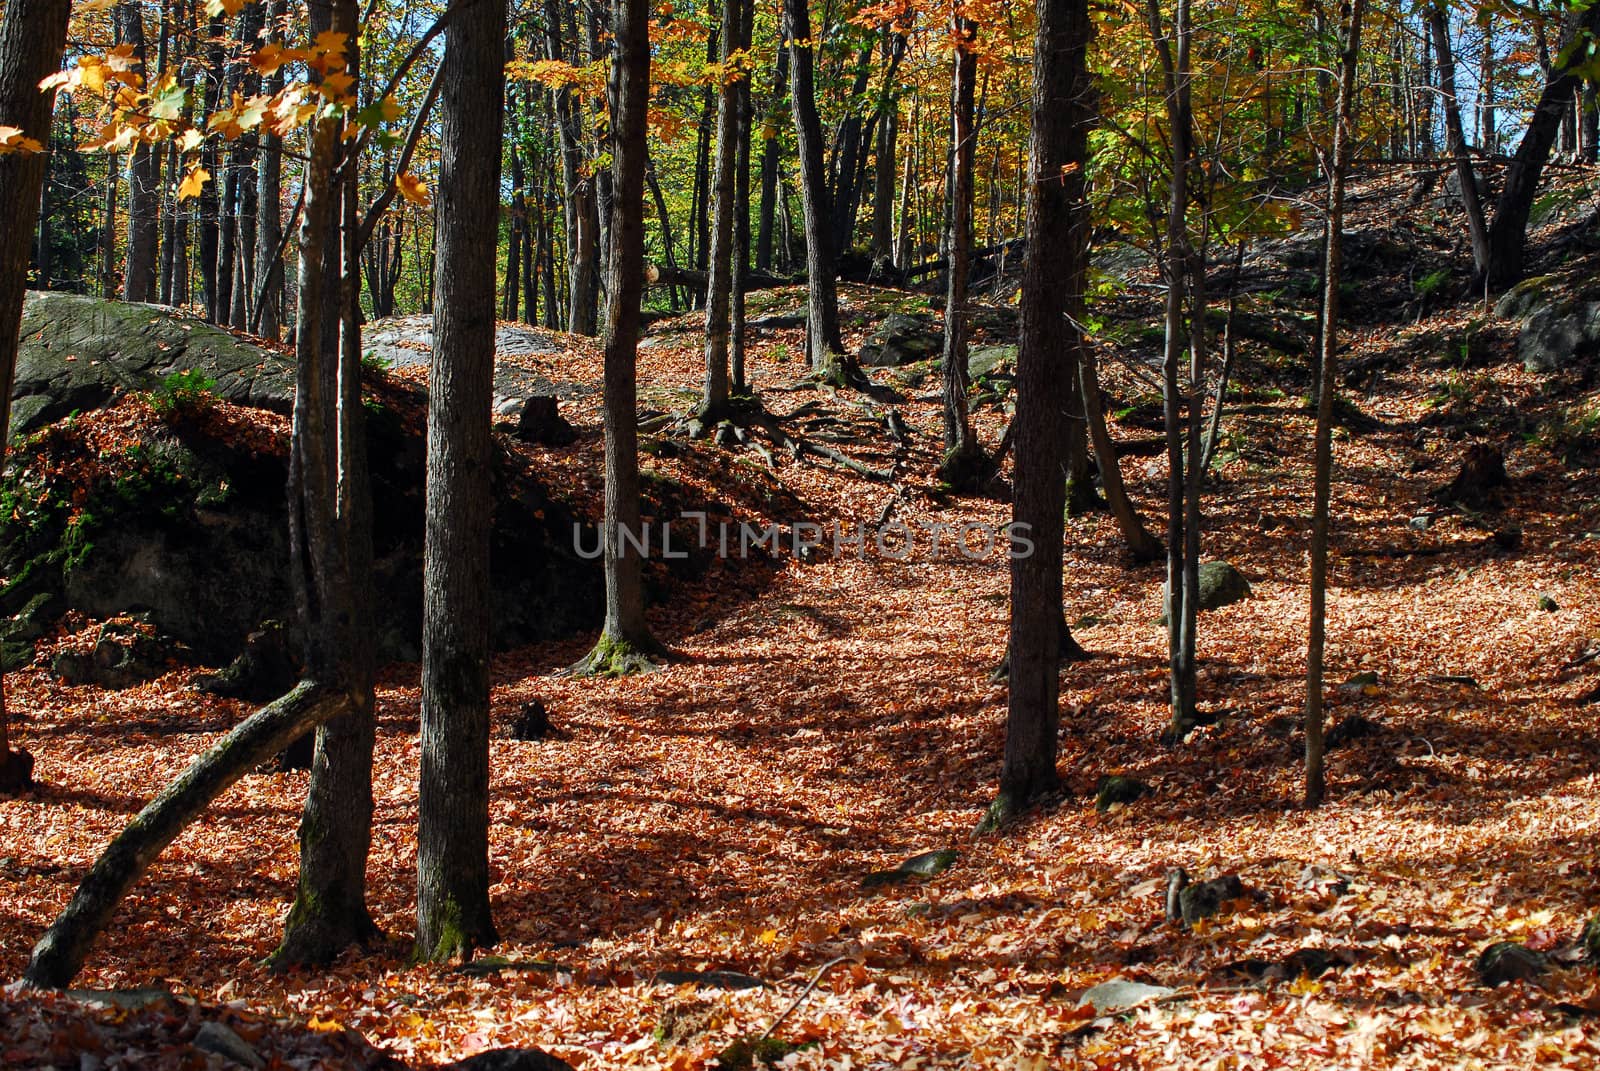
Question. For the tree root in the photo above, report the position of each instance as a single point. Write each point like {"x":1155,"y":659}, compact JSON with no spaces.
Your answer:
{"x":613,"y":656}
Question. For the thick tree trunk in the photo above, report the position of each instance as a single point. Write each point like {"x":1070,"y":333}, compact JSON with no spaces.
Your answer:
{"x":453,"y":916}
{"x":1455,"y":135}
{"x":719,"y":264}
{"x":883,"y":174}
{"x":625,"y":644}
{"x":33,"y":34}
{"x":60,"y":953}
{"x":1054,"y":273}
{"x":1323,"y":461}
{"x":144,"y":205}
{"x":823,"y":344}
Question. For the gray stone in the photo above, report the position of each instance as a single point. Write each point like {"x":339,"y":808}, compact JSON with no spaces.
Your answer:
{"x":524,"y":1059}
{"x":1117,"y":789}
{"x":81,"y":353}
{"x":407,"y":342}
{"x":1558,"y":335}
{"x":218,"y":1039}
{"x":1522,"y":299}
{"x":988,"y":360}
{"x":901,"y":339}
{"x":1122,"y":994}
{"x":1220,"y":585}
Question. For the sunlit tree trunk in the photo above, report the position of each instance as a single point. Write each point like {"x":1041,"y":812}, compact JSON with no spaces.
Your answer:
{"x":1339,"y":163}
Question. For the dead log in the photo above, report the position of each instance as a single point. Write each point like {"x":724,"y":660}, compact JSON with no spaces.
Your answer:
{"x":60,"y":953}
{"x":668,"y":275}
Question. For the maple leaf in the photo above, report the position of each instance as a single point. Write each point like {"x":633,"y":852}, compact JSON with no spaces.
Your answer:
{"x":193,"y":182}
{"x":413,"y":189}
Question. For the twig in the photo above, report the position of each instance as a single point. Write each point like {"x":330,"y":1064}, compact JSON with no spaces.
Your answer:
{"x":804,"y":993}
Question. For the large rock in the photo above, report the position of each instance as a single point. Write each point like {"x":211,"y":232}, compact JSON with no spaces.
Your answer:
{"x":407,"y":342}
{"x":902,"y":339}
{"x":79,"y":353}
{"x":1558,"y":335}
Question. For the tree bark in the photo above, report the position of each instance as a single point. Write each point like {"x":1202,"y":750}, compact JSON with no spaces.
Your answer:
{"x":1455,"y":136}
{"x":1508,"y":233}
{"x":770,"y":151}
{"x":269,"y":206}
{"x":625,"y":643}
{"x":719,"y":264}
{"x":330,"y":539}
{"x":741,"y":209}
{"x":144,"y":206}
{"x":1054,"y":273}
{"x":961,"y":466}
{"x":33,"y":35}
{"x":1323,"y":451}
{"x":824,"y":346}
{"x":453,"y":916}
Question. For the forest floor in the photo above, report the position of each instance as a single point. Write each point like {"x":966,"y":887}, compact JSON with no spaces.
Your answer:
{"x":825,"y":720}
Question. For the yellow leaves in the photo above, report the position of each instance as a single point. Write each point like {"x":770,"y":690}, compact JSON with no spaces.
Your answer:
{"x":413,"y":189}
{"x":219,"y":8}
{"x":337,"y":84}
{"x":324,"y":1026}
{"x":193,"y":182}
{"x":13,"y":141}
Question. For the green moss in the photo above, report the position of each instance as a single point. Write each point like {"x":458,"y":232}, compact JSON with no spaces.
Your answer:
{"x":613,"y":656}
{"x":745,"y":1054}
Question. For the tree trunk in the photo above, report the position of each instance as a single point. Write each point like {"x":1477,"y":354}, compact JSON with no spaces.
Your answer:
{"x":331,"y":541}
{"x":883,"y":176}
{"x":144,"y":206}
{"x":770,"y":150}
{"x":269,"y":204}
{"x":1323,"y":462}
{"x":1055,"y":269}
{"x":1509,"y":231}
{"x":33,"y":34}
{"x":60,"y":953}
{"x":741,"y":209}
{"x":719,"y":264}
{"x":1456,"y":138}
{"x":625,"y":644}
{"x":208,"y":200}
{"x":962,"y":465}
{"x":1141,"y":544}
{"x":453,"y":915}
{"x":824,"y":346}
{"x":582,"y":213}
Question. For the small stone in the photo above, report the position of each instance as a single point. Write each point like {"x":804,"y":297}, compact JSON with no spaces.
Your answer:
{"x":1122,"y":994}
{"x":1547,"y":604}
{"x":218,"y":1039}
{"x":524,"y":1059}
{"x":1590,"y":940}
{"x":1358,"y":684}
{"x":1419,"y":523}
{"x":1117,"y":789}
{"x":1205,"y":899}
{"x":1507,"y":961}
{"x":532,"y":722}
{"x":928,"y":864}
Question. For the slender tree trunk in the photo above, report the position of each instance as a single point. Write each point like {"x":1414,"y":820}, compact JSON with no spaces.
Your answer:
{"x":33,"y":34}
{"x":108,"y":230}
{"x":1141,"y":544}
{"x":269,"y":201}
{"x":1055,"y":269}
{"x":883,"y":175}
{"x":625,"y":644}
{"x":741,"y":208}
{"x":1509,"y":231}
{"x":823,"y":343}
{"x":331,"y":537}
{"x":1323,"y":463}
{"x":1455,"y":136}
{"x":770,"y":150}
{"x":453,"y":915}
{"x":719,"y":265}
{"x":209,"y":197}
{"x":963,"y":465}
{"x":144,"y":207}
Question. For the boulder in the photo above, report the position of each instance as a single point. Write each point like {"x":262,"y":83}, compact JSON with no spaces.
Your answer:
{"x":990,"y":360}
{"x":532,"y":722}
{"x":537,"y":419}
{"x":220,"y":1041}
{"x":901,"y":339}
{"x":266,"y":668}
{"x":79,"y":353}
{"x":1220,"y":585}
{"x":1558,"y":335}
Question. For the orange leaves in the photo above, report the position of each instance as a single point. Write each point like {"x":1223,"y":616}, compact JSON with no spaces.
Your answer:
{"x":194,"y":181}
{"x":12,"y":140}
{"x":413,"y":189}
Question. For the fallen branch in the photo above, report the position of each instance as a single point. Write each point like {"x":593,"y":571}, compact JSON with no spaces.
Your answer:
{"x":60,"y":953}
